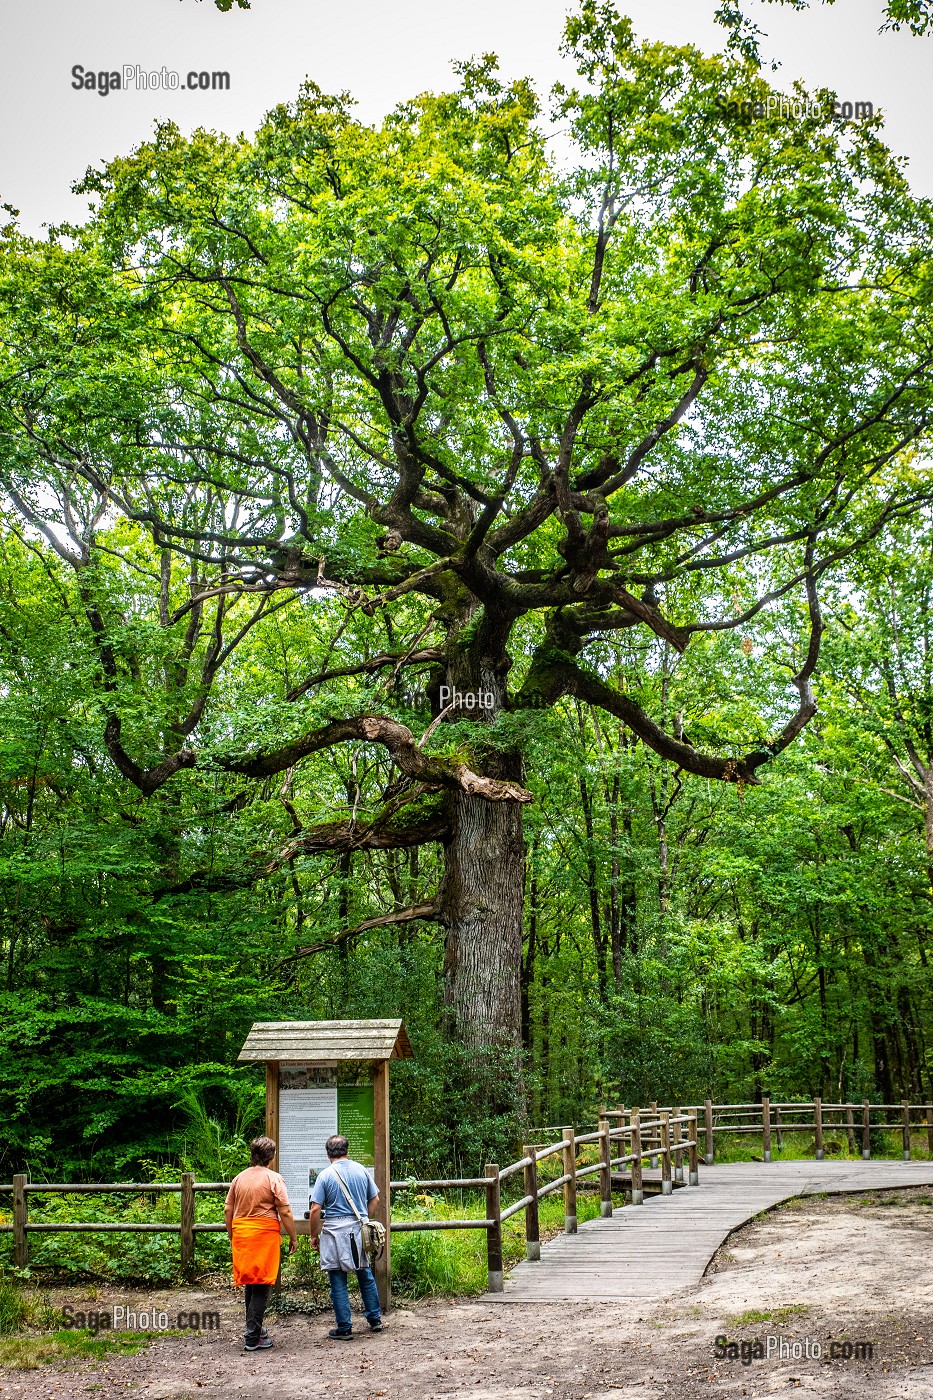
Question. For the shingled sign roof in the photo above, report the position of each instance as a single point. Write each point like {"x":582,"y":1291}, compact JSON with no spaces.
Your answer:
{"x":326,"y":1041}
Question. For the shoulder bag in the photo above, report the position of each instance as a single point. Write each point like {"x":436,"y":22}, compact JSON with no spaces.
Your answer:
{"x":374,"y":1232}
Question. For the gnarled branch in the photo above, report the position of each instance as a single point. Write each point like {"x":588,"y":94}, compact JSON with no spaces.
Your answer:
{"x":399,"y":916}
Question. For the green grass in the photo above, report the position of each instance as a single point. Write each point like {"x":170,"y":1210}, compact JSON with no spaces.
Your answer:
{"x":779,"y":1315}
{"x":453,"y":1262}
{"x":799,"y":1146}
{"x":31,"y":1333}
{"x":27,"y":1351}
{"x":22,"y":1308}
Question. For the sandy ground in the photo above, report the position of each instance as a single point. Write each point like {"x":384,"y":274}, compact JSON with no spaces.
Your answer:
{"x":812,"y":1272}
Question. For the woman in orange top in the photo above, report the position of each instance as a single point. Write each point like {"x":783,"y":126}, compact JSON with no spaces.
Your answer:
{"x":256,"y":1212}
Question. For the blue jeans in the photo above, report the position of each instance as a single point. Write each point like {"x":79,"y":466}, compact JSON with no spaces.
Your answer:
{"x":340,"y":1297}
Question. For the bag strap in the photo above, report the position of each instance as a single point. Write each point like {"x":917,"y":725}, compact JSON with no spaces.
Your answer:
{"x":343,"y":1186}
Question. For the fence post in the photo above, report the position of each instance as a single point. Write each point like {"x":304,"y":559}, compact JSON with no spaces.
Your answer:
{"x":850,"y":1129}
{"x":678,"y":1151}
{"x":708,"y":1110}
{"x":653,"y":1136}
{"x":570,"y":1186}
{"x":694,"y":1130}
{"x":818,"y":1128}
{"x":494,"y":1230}
{"x":605,"y":1173}
{"x":905,"y":1128}
{"x":929,"y":1117}
{"x":766,"y":1127}
{"x":664,"y":1132}
{"x":532,"y":1229}
{"x":866,"y":1129}
{"x":187,"y":1224}
{"x":638,"y":1194}
{"x":20,"y":1240}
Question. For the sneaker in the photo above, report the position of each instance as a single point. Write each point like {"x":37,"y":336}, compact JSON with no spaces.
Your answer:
{"x":375,"y":1326}
{"x":263,"y":1344}
{"x":340,"y":1334}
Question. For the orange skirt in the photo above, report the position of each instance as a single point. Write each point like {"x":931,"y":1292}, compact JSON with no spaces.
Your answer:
{"x":257,"y":1249}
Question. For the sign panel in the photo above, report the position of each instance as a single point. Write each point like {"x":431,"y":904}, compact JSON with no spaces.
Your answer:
{"x":355,"y":1121}
{"x":308,"y":1116}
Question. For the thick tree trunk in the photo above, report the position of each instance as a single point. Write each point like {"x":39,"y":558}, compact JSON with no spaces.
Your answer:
{"x":481,"y":910}
{"x":483,"y":889}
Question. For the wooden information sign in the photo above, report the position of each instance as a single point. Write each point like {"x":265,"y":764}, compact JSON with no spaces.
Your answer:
{"x":325,"y":1077}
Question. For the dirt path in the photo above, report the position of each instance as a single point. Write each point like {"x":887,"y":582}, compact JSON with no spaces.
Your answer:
{"x":813,"y":1274}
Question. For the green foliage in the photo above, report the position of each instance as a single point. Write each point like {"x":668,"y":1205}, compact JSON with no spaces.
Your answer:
{"x":200,"y":568}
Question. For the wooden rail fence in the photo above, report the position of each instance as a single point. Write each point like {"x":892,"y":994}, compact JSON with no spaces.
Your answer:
{"x":771,"y":1120}
{"x":623,"y":1138}
{"x":668,"y":1135}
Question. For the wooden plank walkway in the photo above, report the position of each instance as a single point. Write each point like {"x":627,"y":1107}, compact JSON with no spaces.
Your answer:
{"x":656,"y":1249}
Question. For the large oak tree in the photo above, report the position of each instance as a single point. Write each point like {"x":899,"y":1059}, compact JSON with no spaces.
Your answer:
{"x":505,"y":385}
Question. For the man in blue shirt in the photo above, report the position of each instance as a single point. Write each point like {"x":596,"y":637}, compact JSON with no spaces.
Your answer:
{"x":344,"y":1191}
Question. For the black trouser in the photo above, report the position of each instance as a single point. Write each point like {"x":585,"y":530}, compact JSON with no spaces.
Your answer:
{"x":257,"y":1296}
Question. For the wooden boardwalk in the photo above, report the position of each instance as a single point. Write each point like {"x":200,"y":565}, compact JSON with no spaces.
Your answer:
{"x":656,"y":1249}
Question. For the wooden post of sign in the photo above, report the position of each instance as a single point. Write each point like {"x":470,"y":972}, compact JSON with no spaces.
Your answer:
{"x":20,"y":1238}
{"x":383,"y":1176}
{"x":708,"y":1122}
{"x":929,"y":1117}
{"x":272,"y":1108}
{"x":850,"y":1130}
{"x":532,"y":1227}
{"x":866,"y":1129}
{"x":766,"y":1127}
{"x":905,"y":1128}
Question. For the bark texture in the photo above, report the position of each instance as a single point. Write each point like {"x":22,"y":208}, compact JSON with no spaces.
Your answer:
{"x":481,"y":911}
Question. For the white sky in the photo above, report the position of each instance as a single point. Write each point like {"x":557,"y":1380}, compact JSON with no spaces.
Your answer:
{"x":383,"y":52}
